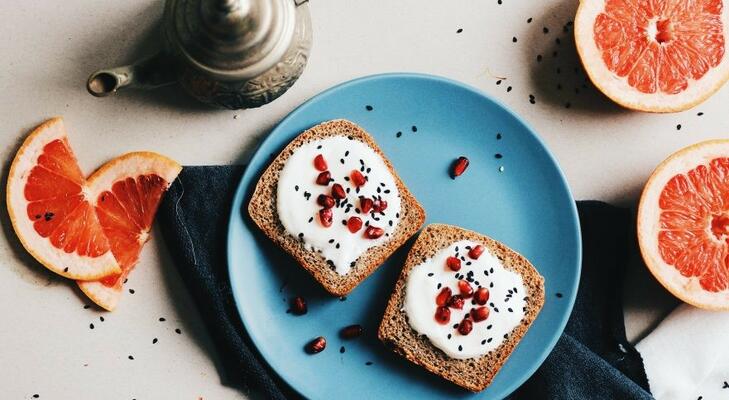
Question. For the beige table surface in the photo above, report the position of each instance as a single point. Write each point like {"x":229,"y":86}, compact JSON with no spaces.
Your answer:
{"x":47,"y":49}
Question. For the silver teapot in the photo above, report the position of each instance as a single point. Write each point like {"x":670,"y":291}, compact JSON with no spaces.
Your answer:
{"x":228,"y":53}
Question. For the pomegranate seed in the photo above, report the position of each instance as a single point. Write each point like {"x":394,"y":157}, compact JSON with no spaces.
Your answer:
{"x":365,"y":204}
{"x":338,"y":191}
{"x":325,"y":201}
{"x":379,"y":205}
{"x":324,"y":178}
{"x":453,"y":263}
{"x":357,"y":178}
{"x":442,"y":298}
{"x":465,"y":327}
{"x":373,"y":232}
{"x":298,"y":305}
{"x":351,"y":331}
{"x":481,"y":296}
{"x":442,"y":315}
{"x":317,"y":345}
{"x":456,"y":302}
{"x":465,"y":288}
{"x":325,"y":216}
{"x":476,"y":252}
{"x":459,"y":166}
{"x":354,"y":224}
{"x":479,"y":314}
{"x":320,"y":163}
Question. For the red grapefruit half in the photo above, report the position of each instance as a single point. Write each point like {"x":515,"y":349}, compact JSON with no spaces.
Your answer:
{"x":49,"y":204}
{"x":654,"y":55}
{"x":683,"y":224}
{"x":127,"y":191}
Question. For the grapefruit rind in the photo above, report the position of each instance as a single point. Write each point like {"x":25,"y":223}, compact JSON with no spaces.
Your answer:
{"x":125,"y":166}
{"x":687,"y":289}
{"x":69,"y":265}
{"x":618,"y":89}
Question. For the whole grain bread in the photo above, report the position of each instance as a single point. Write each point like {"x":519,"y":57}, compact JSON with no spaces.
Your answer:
{"x":262,"y":209}
{"x":474,"y":374}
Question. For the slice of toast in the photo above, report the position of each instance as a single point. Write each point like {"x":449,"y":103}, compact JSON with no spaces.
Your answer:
{"x":263,"y":210}
{"x":474,"y":374}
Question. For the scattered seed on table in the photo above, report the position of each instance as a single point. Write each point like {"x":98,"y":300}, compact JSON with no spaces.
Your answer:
{"x":101,"y":318}
{"x":162,"y":319}
{"x":700,"y":114}
{"x":342,"y":349}
{"x":529,"y":20}
{"x":414,"y":128}
{"x":91,"y":326}
{"x":499,"y":2}
{"x":508,"y":89}
{"x":678,"y":127}
{"x":559,"y":295}
{"x":545,"y":30}
{"x":369,"y":108}
{"x":178,"y":331}
{"x":154,"y":341}
{"x":513,"y":39}
{"x":86,"y":307}
{"x":398,"y":134}
{"x":368,"y":363}
{"x":459,"y":30}
{"x":35,"y":396}
{"x":498,"y":136}
{"x":131,"y":357}
{"x":498,"y":82}
{"x":498,"y":155}
{"x":131,"y":291}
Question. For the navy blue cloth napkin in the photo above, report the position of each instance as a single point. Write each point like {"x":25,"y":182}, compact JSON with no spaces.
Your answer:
{"x":592,"y":359}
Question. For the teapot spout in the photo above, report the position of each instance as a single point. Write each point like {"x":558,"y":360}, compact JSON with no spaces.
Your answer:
{"x":148,"y":73}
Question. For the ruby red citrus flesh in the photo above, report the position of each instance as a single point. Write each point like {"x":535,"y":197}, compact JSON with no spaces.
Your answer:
{"x":49,"y":203}
{"x":656,"y":55}
{"x":129,"y":190}
{"x":683,"y":224}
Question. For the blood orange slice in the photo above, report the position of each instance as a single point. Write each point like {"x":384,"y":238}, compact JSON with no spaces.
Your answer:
{"x":683,"y":224}
{"x":654,"y":55}
{"x":49,"y":205}
{"x":127,"y":190}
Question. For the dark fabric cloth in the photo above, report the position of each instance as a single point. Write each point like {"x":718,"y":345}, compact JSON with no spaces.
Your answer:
{"x":592,"y":359}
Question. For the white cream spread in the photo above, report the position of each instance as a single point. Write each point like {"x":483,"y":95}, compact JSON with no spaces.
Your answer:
{"x":297,"y":194}
{"x":506,"y":303}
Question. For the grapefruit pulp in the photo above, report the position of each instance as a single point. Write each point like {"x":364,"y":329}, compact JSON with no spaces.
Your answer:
{"x":654,"y":55}
{"x":49,"y":207}
{"x":128,"y":190}
{"x":683,"y":224}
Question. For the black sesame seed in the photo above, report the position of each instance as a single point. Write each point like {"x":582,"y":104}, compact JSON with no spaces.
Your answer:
{"x":91,"y":326}
{"x":498,"y":155}
{"x":154,"y":341}
{"x":131,"y":291}
{"x":368,"y":363}
{"x":162,"y":319}
{"x":414,"y":128}
{"x":539,"y":58}
{"x":449,"y":336}
{"x":510,"y":310}
{"x":131,"y":357}
{"x":678,"y":127}
{"x":513,"y":39}
{"x":296,"y":188}
{"x":498,"y":82}
{"x":318,"y":147}
{"x":460,"y":348}
{"x":440,"y":285}
{"x":545,"y":30}
{"x":342,"y":349}
{"x":558,"y":294}
{"x":700,"y":114}
{"x":398,"y":134}
{"x":178,"y":331}
{"x":489,"y":340}
{"x":101,"y":318}
{"x":430,"y":274}
{"x":529,"y":20}
{"x":459,"y":30}
{"x":65,"y":269}
{"x":35,"y":396}
{"x":86,"y":307}
{"x":490,"y":326}
{"x":508,"y":89}
{"x":369,"y":108}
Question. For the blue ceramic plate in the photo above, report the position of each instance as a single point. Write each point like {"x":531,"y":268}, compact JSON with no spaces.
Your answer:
{"x":526,"y":204}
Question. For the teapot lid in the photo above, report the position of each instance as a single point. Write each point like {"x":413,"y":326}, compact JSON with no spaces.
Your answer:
{"x":230,"y":39}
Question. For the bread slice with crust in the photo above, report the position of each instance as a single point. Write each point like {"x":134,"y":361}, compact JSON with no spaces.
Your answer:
{"x":474,"y":374}
{"x":262,"y":209}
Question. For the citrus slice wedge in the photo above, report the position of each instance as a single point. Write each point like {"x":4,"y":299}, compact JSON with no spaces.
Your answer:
{"x":657,"y":55}
{"x":683,"y":224}
{"x":49,"y":205}
{"x":127,"y":193}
